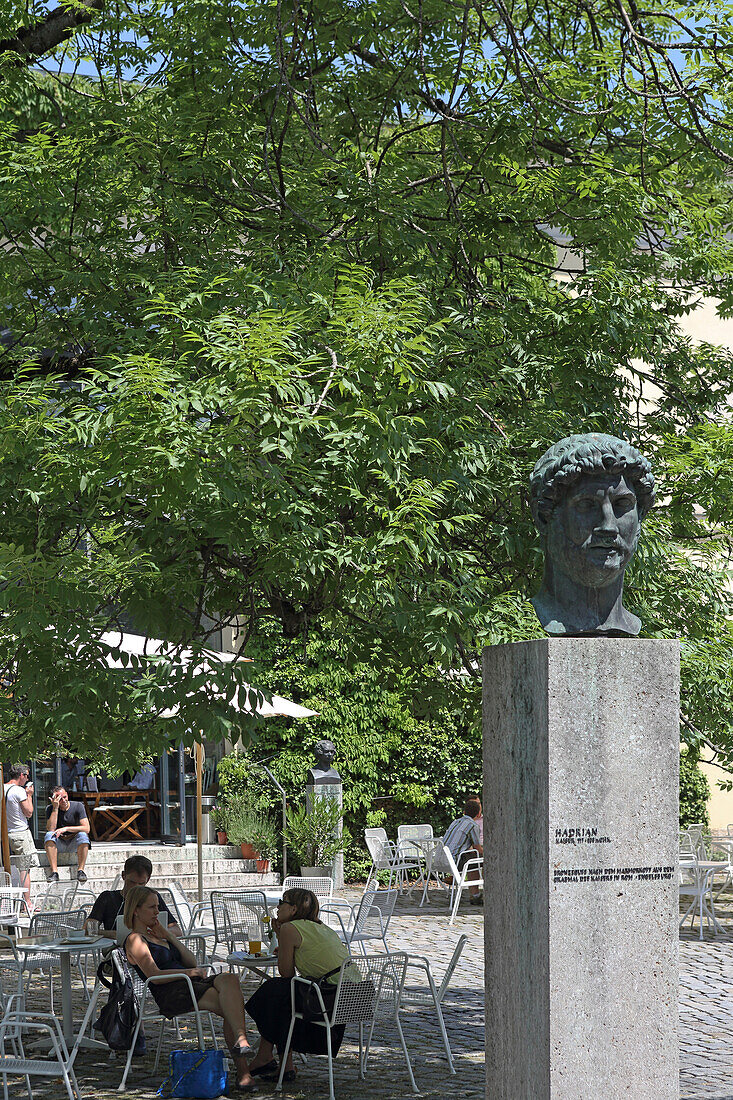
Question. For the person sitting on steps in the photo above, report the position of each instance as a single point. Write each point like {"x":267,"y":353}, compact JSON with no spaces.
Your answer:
{"x":67,"y":830}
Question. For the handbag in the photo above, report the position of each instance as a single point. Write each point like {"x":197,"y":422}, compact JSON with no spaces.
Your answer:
{"x":118,"y":1018}
{"x":195,"y":1073}
{"x":307,"y":1003}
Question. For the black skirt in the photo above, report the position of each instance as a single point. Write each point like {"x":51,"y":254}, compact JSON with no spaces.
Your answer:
{"x":270,"y":1008}
{"x":174,"y":998}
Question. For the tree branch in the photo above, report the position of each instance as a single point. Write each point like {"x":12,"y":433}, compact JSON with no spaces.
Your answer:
{"x":59,"y":24}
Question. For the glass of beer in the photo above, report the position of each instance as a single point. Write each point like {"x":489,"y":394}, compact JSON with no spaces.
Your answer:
{"x":255,"y":946}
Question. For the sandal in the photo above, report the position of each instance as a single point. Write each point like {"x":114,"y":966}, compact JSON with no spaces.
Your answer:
{"x":269,"y":1067}
{"x":241,"y":1051}
{"x":289,"y":1075}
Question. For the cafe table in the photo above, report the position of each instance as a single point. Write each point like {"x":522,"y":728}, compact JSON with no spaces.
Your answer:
{"x":260,"y":964}
{"x":66,"y":950}
{"x":117,"y":815}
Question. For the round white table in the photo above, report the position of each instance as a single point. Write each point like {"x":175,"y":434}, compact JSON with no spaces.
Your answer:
{"x":65,"y":950}
{"x":253,"y":962}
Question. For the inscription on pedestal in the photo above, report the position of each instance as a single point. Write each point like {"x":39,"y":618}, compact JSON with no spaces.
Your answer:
{"x":580,"y":784}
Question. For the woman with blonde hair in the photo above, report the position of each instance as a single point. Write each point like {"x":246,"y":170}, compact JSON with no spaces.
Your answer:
{"x":313,"y":950}
{"x":153,"y":949}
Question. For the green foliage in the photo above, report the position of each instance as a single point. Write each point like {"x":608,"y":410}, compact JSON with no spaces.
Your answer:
{"x":694,"y":792}
{"x":264,"y":836}
{"x":286,"y":337}
{"x":241,"y":783}
{"x":313,"y":836}
{"x":245,"y":825}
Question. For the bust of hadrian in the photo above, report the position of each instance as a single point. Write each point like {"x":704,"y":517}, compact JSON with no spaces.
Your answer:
{"x":589,"y":496}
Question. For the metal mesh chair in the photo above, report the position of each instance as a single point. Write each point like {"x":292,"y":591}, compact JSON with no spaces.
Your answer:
{"x":444,"y":863}
{"x":321,"y":887}
{"x":11,"y":904}
{"x":189,"y":914}
{"x":55,"y":925}
{"x":407,"y":833}
{"x":429,"y":995}
{"x":239,"y":916}
{"x":387,"y":856}
{"x":370,"y":1000}
{"x":369,"y":920}
{"x":16,"y":1026}
{"x":148,"y":1011}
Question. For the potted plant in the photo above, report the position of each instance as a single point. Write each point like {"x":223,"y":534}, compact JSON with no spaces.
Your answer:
{"x":264,"y":841}
{"x":217,"y":820}
{"x":314,"y":838}
{"x":241,"y":824}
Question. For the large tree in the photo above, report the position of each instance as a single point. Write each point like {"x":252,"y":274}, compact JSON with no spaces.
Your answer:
{"x":285,"y":332}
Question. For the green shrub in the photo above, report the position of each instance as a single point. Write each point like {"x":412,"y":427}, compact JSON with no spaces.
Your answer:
{"x":694,"y":792}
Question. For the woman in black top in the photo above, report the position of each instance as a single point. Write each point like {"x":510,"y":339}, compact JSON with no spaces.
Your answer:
{"x":153,"y":949}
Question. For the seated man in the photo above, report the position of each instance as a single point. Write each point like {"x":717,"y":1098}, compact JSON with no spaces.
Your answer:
{"x":67,"y":830}
{"x":111,"y":903}
{"x":463,"y":838}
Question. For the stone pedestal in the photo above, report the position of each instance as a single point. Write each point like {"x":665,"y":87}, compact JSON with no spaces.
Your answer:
{"x":334,"y":791}
{"x":581,"y":759}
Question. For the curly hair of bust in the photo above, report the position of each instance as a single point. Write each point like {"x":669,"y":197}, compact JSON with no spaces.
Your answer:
{"x":582,"y":456}
{"x":305,"y":903}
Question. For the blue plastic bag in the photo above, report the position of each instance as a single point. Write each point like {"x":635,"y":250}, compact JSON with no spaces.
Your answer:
{"x":199,"y":1074}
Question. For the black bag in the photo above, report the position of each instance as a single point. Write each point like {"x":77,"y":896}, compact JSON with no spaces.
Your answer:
{"x":306,"y":997}
{"x":118,"y":1018}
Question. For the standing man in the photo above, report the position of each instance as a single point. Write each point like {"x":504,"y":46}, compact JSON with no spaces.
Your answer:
{"x":463,"y":838}
{"x":19,"y":810}
{"x":67,"y":830}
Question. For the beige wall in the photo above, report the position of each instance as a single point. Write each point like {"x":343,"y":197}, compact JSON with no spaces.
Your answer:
{"x":704,"y":324}
{"x":720,"y":803}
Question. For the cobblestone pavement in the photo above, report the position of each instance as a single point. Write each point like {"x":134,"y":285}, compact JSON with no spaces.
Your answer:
{"x":706,"y":1026}
{"x":419,"y":931}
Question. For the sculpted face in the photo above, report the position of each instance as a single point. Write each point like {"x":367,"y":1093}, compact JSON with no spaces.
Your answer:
{"x":326,"y":754}
{"x":592,"y":533}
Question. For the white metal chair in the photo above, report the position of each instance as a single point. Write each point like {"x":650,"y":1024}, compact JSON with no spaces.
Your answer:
{"x":444,"y":863}
{"x":189,"y":914}
{"x":148,"y":1011}
{"x":239,"y":916}
{"x":367,"y":920}
{"x":14,"y":1026}
{"x":696,"y":885}
{"x":53,"y":925}
{"x":11,"y":905}
{"x":373,"y":999}
{"x":429,"y":995}
{"x":321,"y":887}
{"x":406,"y":837}
{"x":386,"y":856}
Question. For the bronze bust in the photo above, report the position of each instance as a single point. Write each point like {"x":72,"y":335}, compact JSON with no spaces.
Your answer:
{"x":589,"y":496}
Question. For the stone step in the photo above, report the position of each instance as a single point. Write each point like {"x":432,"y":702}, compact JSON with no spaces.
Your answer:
{"x":222,"y":866}
{"x":170,"y":867}
{"x":158,"y":853}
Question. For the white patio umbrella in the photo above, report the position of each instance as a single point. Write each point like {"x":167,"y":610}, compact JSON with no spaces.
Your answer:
{"x":246,"y":699}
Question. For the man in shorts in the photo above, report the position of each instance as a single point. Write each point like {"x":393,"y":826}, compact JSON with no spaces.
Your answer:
{"x":19,"y":810}
{"x":67,"y":830}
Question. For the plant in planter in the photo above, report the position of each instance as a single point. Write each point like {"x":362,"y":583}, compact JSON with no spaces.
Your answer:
{"x":239,"y":827}
{"x":217,"y":816}
{"x":264,"y":840}
{"x":314,"y":837}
